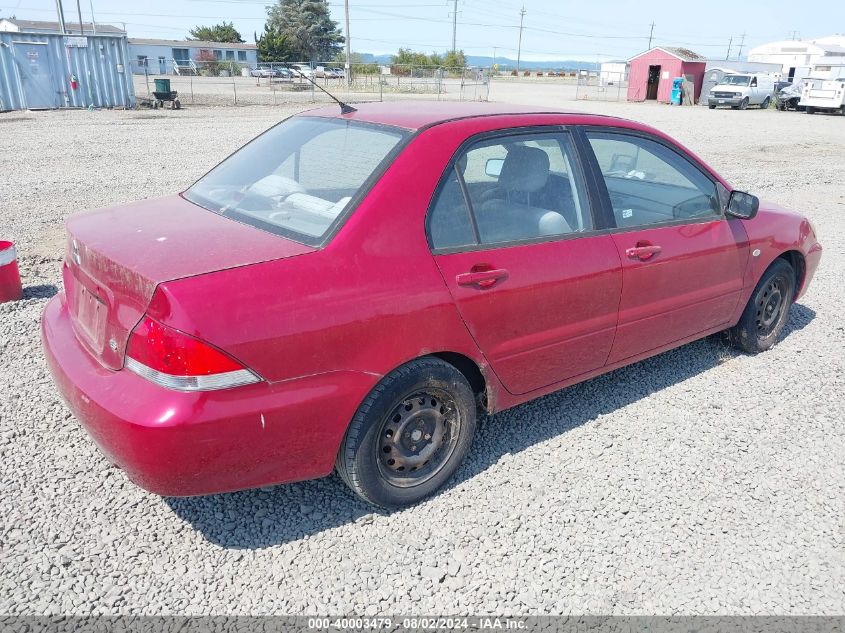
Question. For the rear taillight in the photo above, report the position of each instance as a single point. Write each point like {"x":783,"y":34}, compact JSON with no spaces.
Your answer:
{"x":176,"y":360}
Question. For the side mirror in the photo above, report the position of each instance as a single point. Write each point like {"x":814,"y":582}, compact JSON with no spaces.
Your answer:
{"x":742,"y":205}
{"x":493,"y":167}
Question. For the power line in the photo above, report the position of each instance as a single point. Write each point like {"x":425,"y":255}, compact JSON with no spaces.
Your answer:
{"x":519,"y":48}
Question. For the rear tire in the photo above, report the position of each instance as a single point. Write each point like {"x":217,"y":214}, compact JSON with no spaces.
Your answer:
{"x":767,"y":311}
{"x":712,"y":107}
{"x":765,"y":105}
{"x":409,"y":435}
{"x":810,"y":110}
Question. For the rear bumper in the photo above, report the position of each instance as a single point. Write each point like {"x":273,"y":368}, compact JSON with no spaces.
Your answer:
{"x":179,"y":444}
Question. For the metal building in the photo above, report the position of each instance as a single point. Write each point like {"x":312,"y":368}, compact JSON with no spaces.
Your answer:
{"x":43,"y":68}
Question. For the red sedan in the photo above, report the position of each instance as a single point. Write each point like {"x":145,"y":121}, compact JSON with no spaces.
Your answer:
{"x":351,"y":290}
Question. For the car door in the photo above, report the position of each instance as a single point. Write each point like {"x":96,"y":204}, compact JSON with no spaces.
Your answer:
{"x":682,"y":260}
{"x":512,"y":233}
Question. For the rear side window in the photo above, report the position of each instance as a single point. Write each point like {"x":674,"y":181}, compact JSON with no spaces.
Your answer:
{"x":300,"y":177}
{"x":510,"y":188}
{"x":650,"y":184}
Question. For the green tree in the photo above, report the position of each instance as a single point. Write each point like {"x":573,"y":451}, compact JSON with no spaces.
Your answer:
{"x":224,"y":32}
{"x":274,"y":46}
{"x":455,"y":59}
{"x":308,"y":26}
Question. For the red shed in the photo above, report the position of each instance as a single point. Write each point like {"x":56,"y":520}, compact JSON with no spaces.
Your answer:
{"x":652,"y":72}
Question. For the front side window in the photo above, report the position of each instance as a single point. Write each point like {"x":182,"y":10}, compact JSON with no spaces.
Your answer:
{"x":510,"y":188}
{"x":649,"y":184}
{"x":299,"y":177}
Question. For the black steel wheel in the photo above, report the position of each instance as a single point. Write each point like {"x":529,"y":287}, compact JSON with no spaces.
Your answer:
{"x":409,"y":435}
{"x":418,"y":437}
{"x":767,"y":310}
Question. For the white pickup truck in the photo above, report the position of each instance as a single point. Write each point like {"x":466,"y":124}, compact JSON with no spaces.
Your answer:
{"x":821,"y":94}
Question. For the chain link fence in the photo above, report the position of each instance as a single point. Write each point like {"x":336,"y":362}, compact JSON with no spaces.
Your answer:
{"x":231,"y":83}
{"x":601,"y":85}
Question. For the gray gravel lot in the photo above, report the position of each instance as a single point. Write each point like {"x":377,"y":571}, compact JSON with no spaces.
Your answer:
{"x":696,"y":482}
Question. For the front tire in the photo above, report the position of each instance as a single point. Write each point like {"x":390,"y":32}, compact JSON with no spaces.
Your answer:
{"x":767,"y":311}
{"x":743,"y":104}
{"x":409,"y":435}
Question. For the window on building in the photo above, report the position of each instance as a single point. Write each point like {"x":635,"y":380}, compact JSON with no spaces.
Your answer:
{"x":218,"y":54}
{"x":230,"y":54}
{"x":142,"y":61}
{"x":241,"y":56}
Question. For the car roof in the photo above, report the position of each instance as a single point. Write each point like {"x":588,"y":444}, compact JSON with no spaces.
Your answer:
{"x":414,"y":115}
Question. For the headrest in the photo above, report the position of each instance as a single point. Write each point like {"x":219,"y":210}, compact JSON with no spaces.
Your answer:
{"x":526,"y":169}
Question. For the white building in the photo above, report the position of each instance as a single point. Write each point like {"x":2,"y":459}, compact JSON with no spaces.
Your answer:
{"x":168,"y":57}
{"x":798,"y":57}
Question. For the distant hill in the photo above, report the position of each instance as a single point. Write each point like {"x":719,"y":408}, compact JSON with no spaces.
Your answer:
{"x":504,"y":62}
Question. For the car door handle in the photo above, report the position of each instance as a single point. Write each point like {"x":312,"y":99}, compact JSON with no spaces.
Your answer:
{"x":644,"y":252}
{"x":482,"y":279}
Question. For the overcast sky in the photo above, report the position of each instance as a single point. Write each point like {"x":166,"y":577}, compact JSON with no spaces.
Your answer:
{"x":554,"y":29}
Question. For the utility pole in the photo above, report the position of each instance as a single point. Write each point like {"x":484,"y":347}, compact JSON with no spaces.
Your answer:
{"x":741,"y":43}
{"x":730,"y":41}
{"x":348,"y":69}
{"x":61,"y":14}
{"x":93,"y":21}
{"x":493,"y":65}
{"x":650,"y":35}
{"x":79,"y":10}
{"x":519,"y":49}
{"x":455,"y":27}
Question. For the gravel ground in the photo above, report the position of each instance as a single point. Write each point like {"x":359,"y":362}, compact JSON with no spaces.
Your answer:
{"x":696,"y":482}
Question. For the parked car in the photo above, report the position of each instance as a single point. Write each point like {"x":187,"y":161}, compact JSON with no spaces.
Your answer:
{"x":302,"y":70}
{"x":823,"y":95}
{"x":301,"y":309}
{"x":742,"y":90}
{"x":788,"y":97}
{"x":339,"y":73}
{"x":265,"y":71}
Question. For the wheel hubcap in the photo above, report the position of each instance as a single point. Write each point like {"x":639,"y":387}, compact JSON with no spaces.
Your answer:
{"x":770,"y":307}
{"x":417,"y":438}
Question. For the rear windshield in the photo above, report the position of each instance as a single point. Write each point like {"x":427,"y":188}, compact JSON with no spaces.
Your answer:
{"x":300,"y":177}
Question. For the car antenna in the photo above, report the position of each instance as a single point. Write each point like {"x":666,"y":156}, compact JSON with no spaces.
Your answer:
{"x":345,"y":108}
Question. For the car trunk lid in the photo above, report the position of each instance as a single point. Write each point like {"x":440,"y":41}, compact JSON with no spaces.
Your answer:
{"x":117,"y":256}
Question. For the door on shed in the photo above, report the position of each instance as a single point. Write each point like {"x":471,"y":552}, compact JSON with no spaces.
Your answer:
{"x":33,"y":64}
{"x":653,"y":82}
